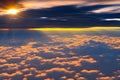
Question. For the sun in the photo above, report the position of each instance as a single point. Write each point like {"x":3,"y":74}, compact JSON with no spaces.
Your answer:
{"x":12,"y":11}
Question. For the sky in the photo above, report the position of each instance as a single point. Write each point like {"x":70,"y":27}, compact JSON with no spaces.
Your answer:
{"x":60,"y":13}
{"x":48,"y":51}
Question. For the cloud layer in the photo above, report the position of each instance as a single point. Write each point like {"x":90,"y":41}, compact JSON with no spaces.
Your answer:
{"x":37,"y":4}
{"x":65,"y":56}
{"x":51,"y":3}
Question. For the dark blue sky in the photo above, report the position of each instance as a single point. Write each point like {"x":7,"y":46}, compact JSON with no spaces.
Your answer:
{"x":67,"y":15}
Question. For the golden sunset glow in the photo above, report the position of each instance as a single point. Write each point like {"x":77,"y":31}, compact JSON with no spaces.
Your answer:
{"x":12,"y":11}
{"x":74,"y":29}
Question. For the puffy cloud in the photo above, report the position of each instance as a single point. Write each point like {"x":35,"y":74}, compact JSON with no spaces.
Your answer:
{"x":105,"y":78}
{"x":29,"y":74}
{"x":49,"y":79}
{"x":63,"y":77}
{"x":11,"y":75}
{"x":25,"y":79}
{"x":81,"y":78}
{"x":90,"y":71}
{"x":70,"y":79}
{"x":3,"y":60}
{"x":40,"y":75}
{"x":58,"y":70}
{"x":74,"y":61}
{"x":62,"y":55}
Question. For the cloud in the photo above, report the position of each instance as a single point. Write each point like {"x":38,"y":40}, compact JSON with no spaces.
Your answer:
{"x":70,"y":79}
{"x":63,"y":77}
{"x":3,"y":60}
{"x":110,"y":9}
{"x":62,"y":16}
{"x":37,"y":4}
{"x":40,"y":75}
{"x":11,"y":75}
{"x":34,"y":4}
{"x":74,"y":61}
{"x":81,"y":78}
{"x":49,"y":79}
{"x":112,"y":19}
{"x":105,"y":78}
{"x":102,"y":1}
{"x":76,"y":56}
{"x":58,"y":70}
{"x":90,"y":71}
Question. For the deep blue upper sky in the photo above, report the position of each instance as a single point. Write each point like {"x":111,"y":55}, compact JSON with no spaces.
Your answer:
{"x":66,"y":15}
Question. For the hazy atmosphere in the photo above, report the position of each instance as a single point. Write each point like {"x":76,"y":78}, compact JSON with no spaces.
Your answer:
{"x":59,"y":40}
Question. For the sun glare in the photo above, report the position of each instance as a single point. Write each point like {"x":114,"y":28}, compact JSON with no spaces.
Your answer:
{"x":12,"y":11}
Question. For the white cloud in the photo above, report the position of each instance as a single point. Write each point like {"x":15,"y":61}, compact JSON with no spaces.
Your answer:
{"x":112,"y":19}
{"x":110,"y":9}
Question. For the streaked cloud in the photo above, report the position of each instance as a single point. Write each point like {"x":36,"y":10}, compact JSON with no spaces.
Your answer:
{"x":61,"y":13}
{"x":38,"y":4}
{"x":112,"y":19}
{"x":110,"y":9}
{"x":106,"y":78}
{"x":34,"y":4}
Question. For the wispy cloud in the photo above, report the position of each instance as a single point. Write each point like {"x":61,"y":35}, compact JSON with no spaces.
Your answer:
{"x":37,"y":4}
{"x":110,"y":9}
{"x":112,"y":19}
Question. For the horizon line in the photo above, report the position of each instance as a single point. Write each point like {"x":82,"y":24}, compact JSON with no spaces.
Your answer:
{"x":63,"y":29}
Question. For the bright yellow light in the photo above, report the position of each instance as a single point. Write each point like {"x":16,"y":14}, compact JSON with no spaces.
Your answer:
{"x":12,"y":11}
{"x":76,"y":29}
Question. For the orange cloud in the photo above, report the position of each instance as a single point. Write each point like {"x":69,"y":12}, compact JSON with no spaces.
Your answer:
{"x":70,"y":79}
{"x":11,"y":75}
{"x":3,"y":61}
{"x":28,"y":60}
{"x":74,"y":61}
{"x":90,"y":71}
{"x":63,"y":77}
{"x":49,"y":79}
{"x":27,"y":75}
{"x":35,"y":4}
{"x":40,"y":75}
{"x":81,"y":78}
{"x":106,"y":78}
{"x":58,"y":70}
{"x":25,"y":79}
{"x":38,"y":4}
